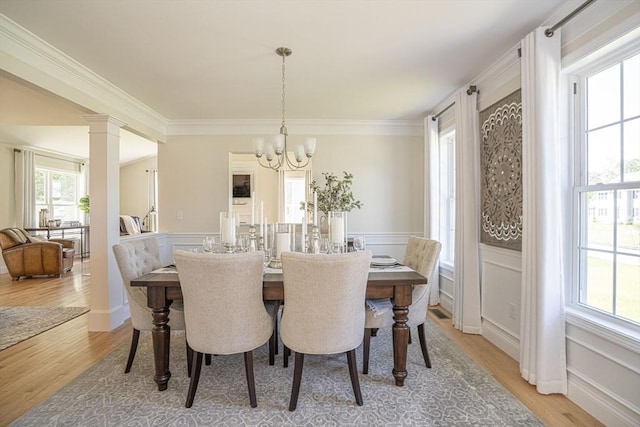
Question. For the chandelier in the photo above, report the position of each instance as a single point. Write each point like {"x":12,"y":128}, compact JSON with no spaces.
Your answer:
{"x":275,"y":152}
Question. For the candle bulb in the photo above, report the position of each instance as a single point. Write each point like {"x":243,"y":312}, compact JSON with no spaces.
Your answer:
{"x":315,"y":208}
{"x":253,"y":208}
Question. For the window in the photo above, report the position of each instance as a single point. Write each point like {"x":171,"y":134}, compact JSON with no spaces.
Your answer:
{"x":447,"y":195}
{"x":607,"y":153}
{"x":57,"y":191}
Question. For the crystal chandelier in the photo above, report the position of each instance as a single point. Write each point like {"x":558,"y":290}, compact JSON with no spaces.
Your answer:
{"x":275,"y":152}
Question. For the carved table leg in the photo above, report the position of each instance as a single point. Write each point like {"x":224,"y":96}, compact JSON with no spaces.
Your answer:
{"x":402,"y":300}
{"x":160,"y":335}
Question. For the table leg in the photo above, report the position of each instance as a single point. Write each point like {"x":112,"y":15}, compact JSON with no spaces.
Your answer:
{"x":401,"y":302}
{"x":161,"y":335}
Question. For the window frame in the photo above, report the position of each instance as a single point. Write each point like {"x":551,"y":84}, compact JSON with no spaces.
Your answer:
{"x":576,"y":78}
{"x":447,"y":223}
{"x":48,"y":199}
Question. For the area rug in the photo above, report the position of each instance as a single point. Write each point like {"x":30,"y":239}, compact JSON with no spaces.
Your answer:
{"x":19,"y":323}
{"x":455,"y":392}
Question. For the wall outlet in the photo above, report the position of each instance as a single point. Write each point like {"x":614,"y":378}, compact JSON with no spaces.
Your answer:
{"x":179,"y":215}
{"x":513,"y":311}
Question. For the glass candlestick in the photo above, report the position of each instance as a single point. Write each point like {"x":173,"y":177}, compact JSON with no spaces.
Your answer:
{"x":338,"y":231}
{"x":253,"y":239}
{"x":314,"y":240}
{"x":228,"y":231}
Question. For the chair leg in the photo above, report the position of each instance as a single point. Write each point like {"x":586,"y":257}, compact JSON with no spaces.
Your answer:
{"x":285,"y":357}
{"x":251,"y":384}
{"x":272,"y":348}
{"x":409,"y":335}
{"x":423,"y":345}
{"x":297,"y":378}
{"x":189,"y":360}
{"x":132,"y":350}
{"x":195,"y":377}
{"x":353,"y":373}
{"x":374,"y":332}
{"x":276,"y":330}
{"x":207,"y":359}
{"x":366,"y":346}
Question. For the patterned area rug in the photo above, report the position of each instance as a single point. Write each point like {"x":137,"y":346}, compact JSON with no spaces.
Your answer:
{"x":455,"y":392}
{"x":19,"y":323}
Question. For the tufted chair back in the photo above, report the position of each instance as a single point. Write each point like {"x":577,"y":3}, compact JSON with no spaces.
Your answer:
{"x":422,"y":256}
{"x":136,"y":258}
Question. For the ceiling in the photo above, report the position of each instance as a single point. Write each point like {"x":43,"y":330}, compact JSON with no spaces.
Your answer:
{"x":207,"y":60}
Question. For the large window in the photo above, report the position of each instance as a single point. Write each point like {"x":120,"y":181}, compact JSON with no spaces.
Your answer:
{"x":447,"y":194}
{"x":607,"y":235}
{"x":57,"y":191}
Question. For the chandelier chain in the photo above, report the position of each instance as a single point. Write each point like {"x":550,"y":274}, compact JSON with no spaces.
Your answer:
{"x":283,"y":97}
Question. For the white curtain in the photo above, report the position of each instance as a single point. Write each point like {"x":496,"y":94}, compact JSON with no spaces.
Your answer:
{"x":432,"y":198}
{"x":466,"y":273}
{"x":542,"y":327}
{"x":25,"y":188}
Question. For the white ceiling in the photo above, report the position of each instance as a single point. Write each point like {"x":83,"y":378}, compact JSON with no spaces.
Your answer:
{"x":353,"y":60}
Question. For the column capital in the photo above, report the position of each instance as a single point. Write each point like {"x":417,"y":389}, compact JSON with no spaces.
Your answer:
{"x":103,"y":118}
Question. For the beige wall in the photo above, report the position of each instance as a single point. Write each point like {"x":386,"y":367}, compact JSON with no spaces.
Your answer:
{"x":7,"y":207}
{"x":134,"y":182}
{"x":388,"y":179}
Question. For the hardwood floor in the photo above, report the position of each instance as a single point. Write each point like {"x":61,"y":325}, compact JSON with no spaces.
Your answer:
{"x":36,"y":368}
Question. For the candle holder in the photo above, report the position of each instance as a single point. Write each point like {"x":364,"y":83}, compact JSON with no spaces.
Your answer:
{"x":283,"y":239}
{"x":228,"y":231}
{"x":338,"y":232}
{"x":314,"y":240}
{"x":253,"y":239}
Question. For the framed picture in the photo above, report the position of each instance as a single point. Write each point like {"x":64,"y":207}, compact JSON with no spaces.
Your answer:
{"x":242,"y":186}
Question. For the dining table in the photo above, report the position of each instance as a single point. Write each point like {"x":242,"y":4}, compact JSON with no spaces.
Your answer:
{"x":163,"y":287}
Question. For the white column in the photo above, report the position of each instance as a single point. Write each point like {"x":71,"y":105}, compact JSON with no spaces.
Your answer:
{"x":108,"y":309}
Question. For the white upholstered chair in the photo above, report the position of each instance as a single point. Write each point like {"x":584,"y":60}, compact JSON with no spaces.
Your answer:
{"x":324,"y":309}
{"x":136,"y":258}
{"x":223,"y":309}
{"x":422,"y":256}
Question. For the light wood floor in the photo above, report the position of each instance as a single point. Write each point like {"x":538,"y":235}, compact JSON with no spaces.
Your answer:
{"x":36,"y":368}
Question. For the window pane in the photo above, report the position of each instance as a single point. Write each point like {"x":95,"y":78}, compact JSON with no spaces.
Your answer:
{"x":63,"y":187}
{"x":628,"y":287}
{"x":40,"y":187}
{"x":628,"y":223}
{"x":66,"y":213}
{"x":631,"y":69}
{"x":599,"y":220}
{"x":632,"y":150}
{"x":598,"y":282}
{"x":603,"y":158}
{"x":603,"y":93}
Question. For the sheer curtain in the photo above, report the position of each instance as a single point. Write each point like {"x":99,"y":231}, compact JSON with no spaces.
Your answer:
{"x":432,"y":174}
{"x":542,"y":326}
{"x":466,"y":274}
{"x":25,"y":188}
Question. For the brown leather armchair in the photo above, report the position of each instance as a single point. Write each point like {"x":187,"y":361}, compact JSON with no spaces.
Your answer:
{"x":27,"y":255}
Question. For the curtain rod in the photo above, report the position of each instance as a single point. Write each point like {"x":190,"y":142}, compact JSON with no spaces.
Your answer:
{"x":549,"y":31}
{"x":472,"y":89}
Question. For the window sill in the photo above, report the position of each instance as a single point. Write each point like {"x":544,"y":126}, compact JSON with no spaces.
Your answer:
{"x":614,"y":332}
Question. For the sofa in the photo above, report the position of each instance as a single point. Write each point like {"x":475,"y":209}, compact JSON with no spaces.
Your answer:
{"x":27,"y":256}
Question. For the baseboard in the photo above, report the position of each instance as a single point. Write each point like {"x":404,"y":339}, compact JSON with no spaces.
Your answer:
{"x":107,"y":320}
{"x":3,"y":270}
{"x":599,"y":404}
{"x":501,"y":338}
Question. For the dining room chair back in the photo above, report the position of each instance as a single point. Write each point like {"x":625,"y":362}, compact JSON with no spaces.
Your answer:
{"x":324,"y":309}
{"x":223,"y":309}
{"x":136,"y":258}
{"x":422,"y":256}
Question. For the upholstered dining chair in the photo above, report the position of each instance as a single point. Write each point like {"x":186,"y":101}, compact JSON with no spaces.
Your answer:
{"x":324,"y":309}
{"x":422,"y":256}
{"x":136,"y":258}
{"x":223,"y":309}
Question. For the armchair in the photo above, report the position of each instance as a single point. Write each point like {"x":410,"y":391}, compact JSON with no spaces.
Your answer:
{"x":27,"y":256}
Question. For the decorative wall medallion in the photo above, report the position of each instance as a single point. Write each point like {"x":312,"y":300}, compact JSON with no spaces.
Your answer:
{"x":501,"y":169}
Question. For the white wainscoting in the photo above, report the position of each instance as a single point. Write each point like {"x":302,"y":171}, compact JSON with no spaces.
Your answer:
{"x":501,"y":285}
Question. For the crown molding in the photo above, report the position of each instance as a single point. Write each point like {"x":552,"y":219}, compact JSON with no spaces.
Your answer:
{"x":303,"y":127}
{"x":29,"y":57}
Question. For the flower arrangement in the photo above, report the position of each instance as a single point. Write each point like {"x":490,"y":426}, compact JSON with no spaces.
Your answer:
{"x":336,"y":194}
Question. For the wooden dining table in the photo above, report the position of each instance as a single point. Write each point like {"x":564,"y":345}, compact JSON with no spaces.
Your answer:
{"x":164,"y":287}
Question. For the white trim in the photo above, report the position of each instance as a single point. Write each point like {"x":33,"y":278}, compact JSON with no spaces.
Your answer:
{"x":501,"y":338}
{"x":603,"y":404}
{"x":613,"y":333}
{"x":295,"y":126}
{"x":609,"y":356}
